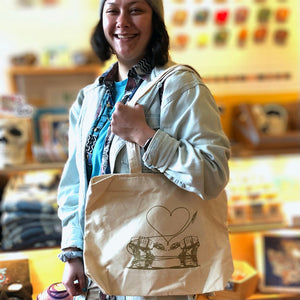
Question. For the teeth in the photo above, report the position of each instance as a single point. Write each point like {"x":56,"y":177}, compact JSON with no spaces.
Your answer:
{"x":125,"y":36}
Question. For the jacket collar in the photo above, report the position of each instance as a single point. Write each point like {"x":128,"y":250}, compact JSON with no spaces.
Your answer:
{"x":138,"y":72}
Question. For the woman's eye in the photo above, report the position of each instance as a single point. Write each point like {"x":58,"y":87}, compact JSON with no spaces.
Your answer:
{"x":136,"y":11}
{"x":111,"y":11}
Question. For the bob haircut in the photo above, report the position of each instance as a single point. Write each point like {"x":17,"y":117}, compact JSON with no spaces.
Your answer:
{"x":157,"y":50}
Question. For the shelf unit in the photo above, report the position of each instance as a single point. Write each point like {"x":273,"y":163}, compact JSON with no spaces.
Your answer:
{"x":241,"y":251}
{"x":22,"y":79}
{"x":44,"y":87}
{"x":44,"y":266}
{"x":266,"y":297}
{"x":30,"y":167}
{"x":46,"y":259}
{"x":17,"y":72}
{"x":51,"y":86}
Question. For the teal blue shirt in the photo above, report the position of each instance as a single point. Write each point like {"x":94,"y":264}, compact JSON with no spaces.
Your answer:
{"x":119,"y":89}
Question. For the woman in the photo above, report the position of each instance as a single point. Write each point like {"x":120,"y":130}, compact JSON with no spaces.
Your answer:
{"x":177,"y":125}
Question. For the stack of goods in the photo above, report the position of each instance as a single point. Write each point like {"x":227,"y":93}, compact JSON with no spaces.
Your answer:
{"x":29,"y":211}
{"x":258,"y":189}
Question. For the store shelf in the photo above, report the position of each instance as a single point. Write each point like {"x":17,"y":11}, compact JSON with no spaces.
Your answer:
{"x":29,"y":81}
{"x":17,"y":72}
{"x":239,"y":151}
{"x":51,"y":86}
{"x":45,"y":268}
{"x":8,"y":170}
{"x":40,"y":70}
{"x":275,"y":296}
{"x":260,"y":296}
{"x":256,"y":296}
{"x":256,"y":227}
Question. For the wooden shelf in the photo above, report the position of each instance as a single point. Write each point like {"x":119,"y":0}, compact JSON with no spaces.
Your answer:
{"x":40,"y":70}
{"x":10,"y":170}
{"x":31,"y":167}
{"x":240,"y":151}
{"x":256,"y":227}
{"x":51,"y":86}
{"x":45,"y":268}
{"x":275,"y":296}
{"x":16,"y":71}
{"x":256,"y":296}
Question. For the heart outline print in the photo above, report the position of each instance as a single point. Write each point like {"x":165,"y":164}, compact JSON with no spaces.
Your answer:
{"x":164,"y":212}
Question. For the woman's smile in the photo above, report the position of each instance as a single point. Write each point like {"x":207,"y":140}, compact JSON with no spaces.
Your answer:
{"x":125,"y":36}
{"x":127,"y":26}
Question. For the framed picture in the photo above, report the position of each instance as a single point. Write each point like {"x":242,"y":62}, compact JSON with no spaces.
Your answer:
{"x":278,"y":260}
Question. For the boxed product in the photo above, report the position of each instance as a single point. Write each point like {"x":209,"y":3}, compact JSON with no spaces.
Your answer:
{"x":15,"y":278}
{"x":243,"y":283}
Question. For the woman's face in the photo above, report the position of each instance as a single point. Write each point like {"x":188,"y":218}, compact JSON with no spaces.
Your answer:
{"x":127,"y":26}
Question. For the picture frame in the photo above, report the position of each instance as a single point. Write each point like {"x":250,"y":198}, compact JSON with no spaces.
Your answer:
{"x":278,"y":260}
{"x":50,"y":137}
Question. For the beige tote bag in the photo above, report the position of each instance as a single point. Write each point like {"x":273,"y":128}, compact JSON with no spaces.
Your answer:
{"x":145,"y":236}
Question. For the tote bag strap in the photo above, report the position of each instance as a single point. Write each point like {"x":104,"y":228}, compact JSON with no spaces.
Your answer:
{"x":133,"y":150}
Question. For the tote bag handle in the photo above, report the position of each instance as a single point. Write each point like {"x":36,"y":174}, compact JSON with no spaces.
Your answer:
{"x":133,"y":149}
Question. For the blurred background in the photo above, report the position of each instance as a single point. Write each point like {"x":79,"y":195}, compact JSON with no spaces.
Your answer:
{"x":222,"y":39}
{"x":248,"y":54}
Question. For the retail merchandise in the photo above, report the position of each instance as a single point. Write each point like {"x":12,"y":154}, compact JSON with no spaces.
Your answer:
{"x":54,"y":292}
{"x":246,"y":51}
{"x":267,"y":126}
{"x":14,"y":136}
{"x":264,"y":190}
{"x":243,"y":282}
{"x":278,"y":260}
{"x":29,"y":211}
{"x":15,"y":279}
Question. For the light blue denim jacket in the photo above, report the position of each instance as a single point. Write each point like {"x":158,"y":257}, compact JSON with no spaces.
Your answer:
{"x":189,"y":147}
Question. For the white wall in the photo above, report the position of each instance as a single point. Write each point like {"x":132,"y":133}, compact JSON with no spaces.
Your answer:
{"x":40,"y":27}
{"x":254,"y":58}
{"x":69,"y":25}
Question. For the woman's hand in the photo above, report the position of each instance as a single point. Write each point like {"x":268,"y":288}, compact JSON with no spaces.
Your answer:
{"x":74,"y":278}
{"x":129,"y":123}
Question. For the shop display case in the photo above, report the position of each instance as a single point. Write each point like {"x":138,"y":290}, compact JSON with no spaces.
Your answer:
{"x":267,"y":127}
{"x":263,"y":196}
{"x":50,"y":91}
{"x":264,"y":191}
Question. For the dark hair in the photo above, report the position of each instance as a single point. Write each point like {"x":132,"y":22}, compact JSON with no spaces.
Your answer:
{"x":157,"y":50}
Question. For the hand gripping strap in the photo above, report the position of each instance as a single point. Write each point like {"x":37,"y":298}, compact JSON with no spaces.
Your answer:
{"x":133,"y":150}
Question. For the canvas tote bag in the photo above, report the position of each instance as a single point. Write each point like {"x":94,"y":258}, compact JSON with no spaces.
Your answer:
{"x":145,"y":236}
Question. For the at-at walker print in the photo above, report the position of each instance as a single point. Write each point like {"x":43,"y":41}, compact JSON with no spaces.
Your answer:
{"x":170,"y":247}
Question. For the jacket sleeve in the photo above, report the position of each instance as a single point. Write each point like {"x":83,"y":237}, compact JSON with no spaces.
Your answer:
{"x":190,"y":147}
{"x":68,"y":191}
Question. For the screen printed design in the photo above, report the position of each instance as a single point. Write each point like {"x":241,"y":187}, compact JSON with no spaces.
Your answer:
{"x":170,"y":246}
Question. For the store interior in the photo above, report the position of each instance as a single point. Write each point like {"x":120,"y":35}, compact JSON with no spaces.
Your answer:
{"x":248,"y":54}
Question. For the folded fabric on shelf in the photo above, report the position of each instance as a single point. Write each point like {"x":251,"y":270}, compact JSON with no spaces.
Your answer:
{"x":29,"y":211}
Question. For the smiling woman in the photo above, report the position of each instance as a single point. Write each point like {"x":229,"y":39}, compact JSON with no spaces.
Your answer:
{"x":158,"y":46}
{"x":175,"y":125}
{"x":127,"y":28}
